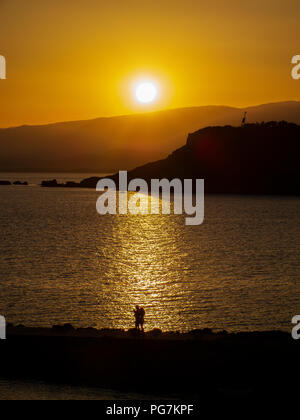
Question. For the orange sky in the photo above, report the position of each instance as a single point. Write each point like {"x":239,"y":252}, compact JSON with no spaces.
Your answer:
{"x":69,"y":60}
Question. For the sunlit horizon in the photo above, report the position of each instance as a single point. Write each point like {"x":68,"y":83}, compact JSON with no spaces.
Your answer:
{"x":79,"y":64}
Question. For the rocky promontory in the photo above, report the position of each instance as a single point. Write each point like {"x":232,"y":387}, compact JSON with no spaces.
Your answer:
{"x":252,"y":159}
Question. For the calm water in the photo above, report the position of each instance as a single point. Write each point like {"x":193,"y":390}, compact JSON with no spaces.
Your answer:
{"x":62,"y":262}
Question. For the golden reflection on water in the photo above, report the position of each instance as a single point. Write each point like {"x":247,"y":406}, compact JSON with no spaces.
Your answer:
{"x":61,"y":262}
{"x":141,"y":255}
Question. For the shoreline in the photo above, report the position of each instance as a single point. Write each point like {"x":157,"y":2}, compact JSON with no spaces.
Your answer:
{"x":200,"y":362}
{"x":73,"y":186}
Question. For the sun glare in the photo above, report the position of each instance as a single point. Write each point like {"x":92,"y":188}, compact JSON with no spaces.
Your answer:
{"x":146,"y":92}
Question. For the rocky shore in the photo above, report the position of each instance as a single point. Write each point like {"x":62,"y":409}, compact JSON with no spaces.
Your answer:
{"x":5,"y":183}
{"x":199,"y":363}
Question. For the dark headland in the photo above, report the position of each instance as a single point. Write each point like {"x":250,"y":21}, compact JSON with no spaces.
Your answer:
{"x":252,"y":159}
{"x":199,"y":363}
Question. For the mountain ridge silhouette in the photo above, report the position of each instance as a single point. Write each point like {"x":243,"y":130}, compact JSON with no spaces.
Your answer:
{"x":122,"y":142}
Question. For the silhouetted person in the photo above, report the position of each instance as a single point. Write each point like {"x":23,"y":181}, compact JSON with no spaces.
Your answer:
{"x":137,"y":317}
{"x":142,"y":318}
{"x":139,"y":314}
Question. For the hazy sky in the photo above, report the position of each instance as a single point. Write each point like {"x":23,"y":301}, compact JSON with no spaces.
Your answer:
{"x":78,"y":59}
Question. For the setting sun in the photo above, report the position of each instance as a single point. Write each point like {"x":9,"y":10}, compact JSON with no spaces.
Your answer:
{"x":146,"y":92}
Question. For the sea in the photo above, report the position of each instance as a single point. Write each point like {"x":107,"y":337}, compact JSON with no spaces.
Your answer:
{"x":61,"y":262}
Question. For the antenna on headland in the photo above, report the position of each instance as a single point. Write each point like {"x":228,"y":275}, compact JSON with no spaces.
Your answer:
{"x":244,"y":120}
